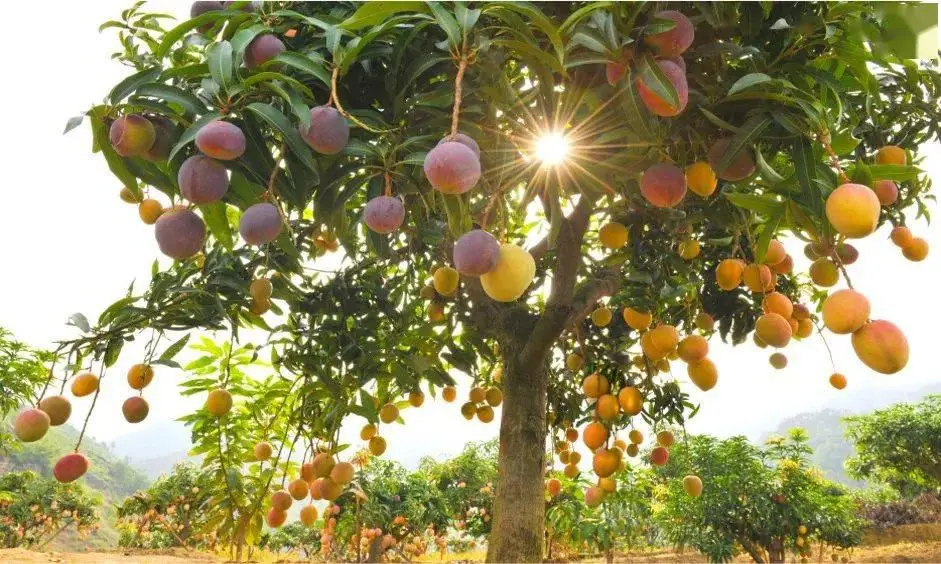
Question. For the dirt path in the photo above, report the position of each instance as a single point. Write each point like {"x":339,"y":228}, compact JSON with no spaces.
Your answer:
{"x":143,"y":557}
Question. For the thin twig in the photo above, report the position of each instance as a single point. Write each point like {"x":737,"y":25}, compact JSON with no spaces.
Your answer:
{"x":335,"y":99}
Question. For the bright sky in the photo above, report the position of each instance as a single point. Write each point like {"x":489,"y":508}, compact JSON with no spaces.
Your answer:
{"x":70,"y":244}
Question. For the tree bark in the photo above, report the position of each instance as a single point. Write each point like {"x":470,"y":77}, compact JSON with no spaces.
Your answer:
{"x":519,"y":508}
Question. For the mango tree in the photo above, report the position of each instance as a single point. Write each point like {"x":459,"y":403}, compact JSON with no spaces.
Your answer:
{"x":540,"y":163}
{"x":765,"y":501}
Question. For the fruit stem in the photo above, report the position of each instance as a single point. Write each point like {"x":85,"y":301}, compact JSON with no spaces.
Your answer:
{"x":335,"y":100}
{"x":94,"y":400}
{"x":49,"y":377}
{"x":824,"y":138}
{"x":388,"y":184}
{"x":826,"y":344}
{"x":458,"y":90}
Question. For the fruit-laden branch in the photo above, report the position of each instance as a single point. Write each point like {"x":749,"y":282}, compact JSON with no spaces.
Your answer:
{"x":606,"y":284}
{"x":559,"y":307}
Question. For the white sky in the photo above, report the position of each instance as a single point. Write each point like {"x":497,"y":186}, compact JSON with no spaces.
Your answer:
{"x":70,"y":244}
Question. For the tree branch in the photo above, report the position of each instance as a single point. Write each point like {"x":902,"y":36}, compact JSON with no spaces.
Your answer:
{"x":560,"y":305}
{"x":577,"y":220}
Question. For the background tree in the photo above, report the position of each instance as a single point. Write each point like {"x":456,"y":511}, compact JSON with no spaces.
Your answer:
{"x":176,"y":510}
{"x":783,"y":102}
{"x":34,"y":510}
{"x":22,"y":372}
{"x":899,"y":445}
{"x":294,"y":537}
{"x":763,"y":501}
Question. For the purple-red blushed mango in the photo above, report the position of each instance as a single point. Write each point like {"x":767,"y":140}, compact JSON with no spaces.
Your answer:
{"x":260,"y":224}
{"x":452,"y":167}
{"x":262,"y":49}
{"x":663,"y":185}
{"x":135,"y":409}
{"x":203,"y":180}
{"x":654,"y":102}
{"x":328,"y":133}
{"x":164,"y":137}
{"x":31,"y":424}
{"x":384,"y":214}
{"x":70,"y":467}
{"x":180,"y":233}
{"x":221,"y":140}
{"x":476,"y":253}
{"x":132,"y":135}
{"x":463,"y":139}
{"x":742,"y":166}
{"x":673,"y":42}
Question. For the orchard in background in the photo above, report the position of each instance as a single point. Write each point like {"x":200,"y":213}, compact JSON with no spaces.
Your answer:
{"x":556,"y":199}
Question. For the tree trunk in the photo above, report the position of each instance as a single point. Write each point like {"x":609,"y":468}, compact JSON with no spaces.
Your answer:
{"x":519,"y":507}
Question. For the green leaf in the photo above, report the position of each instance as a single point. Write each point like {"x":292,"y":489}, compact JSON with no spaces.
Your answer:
{"x":465,"y":18}
{"x":244,"y":37}
{"x":898,"y":173}
{"x":313,"y":66}
{"x":373,"y":13}
{"x":763,"y":204}
{"x":805,"y":168}
{"x":745,"y":138}
{"x":766,"y":171}
{"x":127,"y":86}
{"x":748,"y":81}
{"x":520,"y":47}
{"x":177,"y":33}
{"x":538,"y":19}
{"x":288,"y":132}
{"x":218,"y":222}
{"x":188,"y":101}
{"x":73,"y":122}
{"x":447,"y":23}
{"x":113,"y":351}
{"x":655,"y":79}
{"x":219,"y":57}
{"x":658,"y":25}
{"x":572,"y":20}
{"x":175,"y":348}
{"x":190,"y":134}
{"x":79,"y":320}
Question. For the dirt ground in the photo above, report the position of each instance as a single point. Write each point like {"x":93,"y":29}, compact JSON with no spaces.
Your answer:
{"x":909,"y":543}
{"x":137,"y":556}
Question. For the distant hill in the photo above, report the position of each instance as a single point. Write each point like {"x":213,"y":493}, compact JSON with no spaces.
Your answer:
{"x":826,"y":428}
{"x":109,"y":476}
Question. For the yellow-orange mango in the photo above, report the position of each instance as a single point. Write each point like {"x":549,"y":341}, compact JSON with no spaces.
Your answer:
{"x":595,"y":385}
{"x":637,"y":320}
{"x":729,"y":274}
{"x":631,"y":400}
{"x":853,"y":210}
{"x":758,"y":278}
{"x":703,"y":373}
{"x":693,"y":348}
{"x":778,"y":303}
{"x":773,"y":329}
{"x":881,"y":346}
{"x":845,"y":311}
